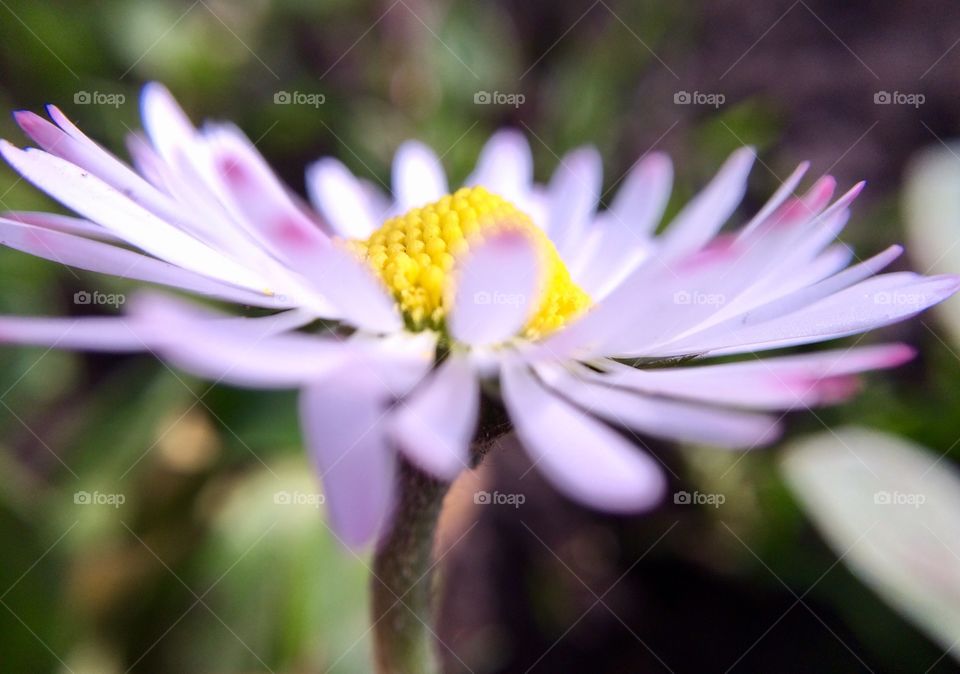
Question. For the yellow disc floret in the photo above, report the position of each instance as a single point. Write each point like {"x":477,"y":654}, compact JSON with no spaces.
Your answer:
{"x":415,"y":253}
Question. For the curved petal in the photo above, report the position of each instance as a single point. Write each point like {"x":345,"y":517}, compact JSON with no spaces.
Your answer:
{"x":165,"y":122}
{"x":340,"y":198}
{"x":435,"y":425}
{"x":574,"y":193}
{"x":765,"y":383}
{"x":95,"y":333}
{"x":662,"y":418}
{"x":587,"y":460}
{"x":497,"y":285}
{"x":105,"y":258}
{"x":622,"y":236}
{"x":343,"y":424}
{"x":103,"y":204}
{"x":418,"y":176}
{"x":505,"y":166}
{"x":870,"y":304}
{"x":702,"y":218}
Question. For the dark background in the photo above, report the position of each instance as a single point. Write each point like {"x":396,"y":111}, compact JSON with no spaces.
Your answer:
{"x":199,"y":570}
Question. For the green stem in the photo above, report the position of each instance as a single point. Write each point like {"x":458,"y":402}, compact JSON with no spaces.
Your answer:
{"x":402,"y":587}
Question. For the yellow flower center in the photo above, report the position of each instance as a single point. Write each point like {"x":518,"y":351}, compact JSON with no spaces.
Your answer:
{"x":415,"y":253}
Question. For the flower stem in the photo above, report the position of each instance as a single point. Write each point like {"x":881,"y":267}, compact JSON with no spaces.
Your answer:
{"x":402,"y":587}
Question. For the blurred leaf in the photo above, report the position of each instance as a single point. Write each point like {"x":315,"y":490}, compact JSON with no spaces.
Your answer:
{"x":891,"y":511}
{"x":284,"y":591}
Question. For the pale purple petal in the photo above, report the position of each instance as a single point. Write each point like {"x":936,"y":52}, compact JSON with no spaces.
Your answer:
{"x":574,"y":193}
{"x":98,"y":333}
{"x":342,"y":199}
{"x":621,"y":237}
{"x":63,"y":223}
{"x":702,"y":218}
{"x":763,"y":383}
{"x":505,"y":166}
{"x":663,"y":418}
{"x":435,"y":425}
{"x":105,"y":258}
{"x":418,"y":176}
{"x":585,"y":459}
{"x":343,"y":424}
{"x":870,"y":304}
{"x":259,"y":198}
{"x":94,"y":199}
{"x":497,"y":286}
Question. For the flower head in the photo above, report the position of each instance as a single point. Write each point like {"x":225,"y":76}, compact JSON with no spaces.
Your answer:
{"x":531,"y":295}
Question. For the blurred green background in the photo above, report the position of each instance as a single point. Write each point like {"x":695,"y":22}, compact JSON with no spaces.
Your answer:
{"x":201,"y":569}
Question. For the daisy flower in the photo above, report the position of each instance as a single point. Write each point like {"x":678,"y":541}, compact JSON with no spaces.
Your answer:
{"x":398,"y":317}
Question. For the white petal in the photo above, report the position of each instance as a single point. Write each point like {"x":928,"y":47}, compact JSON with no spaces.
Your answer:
{"x":505,"y":166}
{"x":702,"y":218}
{"x":418,"y":176}
{"x":165,"y":122}
{"x":870,"y":304}
{"x":63,"y":223}
{"x":784,"y":192}
{"x":99,"y":202}
{"x":574,"y":192}
{"x":497,"y":286}
{"x":766,"y":383}
{"x":242,"y":352}
{"x":349,"y":285}
{"x":344,"y":427}
{"x":341,"y":199}
{"x":585,"y":459}
{"x":258,"y":196}
{"x":97,"y":333}
{"x":623,"y":232}
{"x":670,"y":419}
{"x":106,"y":258}
{"x":435,"y":425}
